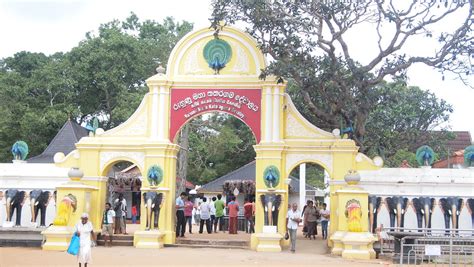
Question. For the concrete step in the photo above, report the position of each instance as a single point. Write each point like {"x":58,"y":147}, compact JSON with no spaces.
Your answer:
{"x":212,"y":242}
{"x":118,"y":237}
{"x":20,"y":243}
{"x":117,"y":240}
{"x":117,"y":243}
{"x":20,"y":237}
{"x":205,"y":246}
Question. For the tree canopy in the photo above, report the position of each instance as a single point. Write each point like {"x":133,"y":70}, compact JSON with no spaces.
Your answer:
{"x":218,"y":144}
{"x":312,"y":43}
{"x":102,"y":76}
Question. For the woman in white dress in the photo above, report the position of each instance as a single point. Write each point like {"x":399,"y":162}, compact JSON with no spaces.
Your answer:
{"x":84,"y":230}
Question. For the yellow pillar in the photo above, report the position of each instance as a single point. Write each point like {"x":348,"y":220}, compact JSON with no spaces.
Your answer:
{"x":266,"y":238}
{"x":351,"y":238}
{"x":58,"y":236}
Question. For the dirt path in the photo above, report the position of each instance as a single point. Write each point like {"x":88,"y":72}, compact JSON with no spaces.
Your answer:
{"x":308,"y":253}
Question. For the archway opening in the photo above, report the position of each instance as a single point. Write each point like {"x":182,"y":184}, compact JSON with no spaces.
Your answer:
{"x":217,"y":156}
{"x":123,"y":192}
{"x":309,"y":183}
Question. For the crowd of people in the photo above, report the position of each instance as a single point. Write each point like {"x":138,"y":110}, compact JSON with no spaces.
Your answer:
{"x":210,"y":213}
{"x":310,"y":216}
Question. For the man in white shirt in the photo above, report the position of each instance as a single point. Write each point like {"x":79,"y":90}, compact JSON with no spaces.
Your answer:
{"x":293,"y":218}
{"x":107,"y":224}
{"x":205,"y":216}
{"x":213,"y":211}
{"x":324,"y":220}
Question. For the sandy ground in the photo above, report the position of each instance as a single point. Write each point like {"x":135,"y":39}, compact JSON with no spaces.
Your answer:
{"x":308,"y":253}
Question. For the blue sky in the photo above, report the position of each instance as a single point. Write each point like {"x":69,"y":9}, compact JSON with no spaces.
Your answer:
{"x":58,"y":25}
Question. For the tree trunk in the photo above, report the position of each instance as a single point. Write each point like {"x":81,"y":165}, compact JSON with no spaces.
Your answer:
{"x":183,"y":158}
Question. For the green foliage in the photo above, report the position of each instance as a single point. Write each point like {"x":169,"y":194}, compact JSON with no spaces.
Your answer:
{"x":314,"y":175}
{"x":103,"y":76}
{"x":218,"y":144}
{"x":311,"y":44}
{"x":404,"y":118}
{"x":396,"y":160}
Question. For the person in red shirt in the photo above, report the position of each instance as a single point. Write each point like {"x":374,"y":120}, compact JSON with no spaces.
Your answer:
{"x":233,"y":212}
{"x":134,"y":214}
{"x":188,"y":213}
{"x":249,"y":212}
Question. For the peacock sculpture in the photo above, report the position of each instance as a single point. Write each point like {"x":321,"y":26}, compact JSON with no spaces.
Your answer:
{"x":469,"y":156}
{"x":347,"y":132}
{"x":155,"y":175}
{"x":92,"y":125}
{"x":20,"y":150}
{"x":425,"y":156}
{"x":271,"y":176}
{"x":217,"y":53}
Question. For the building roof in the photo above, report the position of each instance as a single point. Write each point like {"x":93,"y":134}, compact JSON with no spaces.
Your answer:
{"x":64,"y":142}
{"x":187,"y":184}
{"x":456,"y":159}
{"x":463,"y":139}
{"x":246,"y":172}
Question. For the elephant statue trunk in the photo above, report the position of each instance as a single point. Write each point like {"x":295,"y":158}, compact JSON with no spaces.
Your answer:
{"x":470,"y":203}
{"x":451,"y":207}
{"x":397,"y":206}
{"x":39,"y":200}
{"x":374,"y":204}
{"x":9,"y":195}
{"x":14,"y":201}
{"x":271,"y":206}
{"x":33,"y":204}
{"x":153,"y":202}
{"x":269,"y":213}
{"x":424,"y":209}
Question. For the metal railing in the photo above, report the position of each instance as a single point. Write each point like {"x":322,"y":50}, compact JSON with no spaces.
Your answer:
{"x":437,"y":247}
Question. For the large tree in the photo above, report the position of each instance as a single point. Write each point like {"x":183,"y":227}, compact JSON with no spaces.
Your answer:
{"x":311,"y":42}
{"x":402,"y":118}
{"x":109,"y":68}
{"x":103,"y":76}
{"x":217,"y":144}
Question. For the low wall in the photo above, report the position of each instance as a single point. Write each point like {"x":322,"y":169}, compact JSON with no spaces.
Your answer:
{"x":27,"y":177}
{"x":421,"y":182}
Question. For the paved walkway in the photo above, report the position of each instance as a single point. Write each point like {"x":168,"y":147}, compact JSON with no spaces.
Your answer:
{"x":308,"y":253}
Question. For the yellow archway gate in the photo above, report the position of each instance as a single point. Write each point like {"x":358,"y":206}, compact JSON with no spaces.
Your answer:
{"x":206,"y":74}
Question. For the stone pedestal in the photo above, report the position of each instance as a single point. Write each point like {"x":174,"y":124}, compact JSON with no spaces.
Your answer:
{"x":352,"y":241}
{"x":268,"y":242}
{"x":148,"y":239}
{"x":358,"y":246}
{"x":337,"y":246}
{"x":352,"y":245}
{"x":57,"y":238}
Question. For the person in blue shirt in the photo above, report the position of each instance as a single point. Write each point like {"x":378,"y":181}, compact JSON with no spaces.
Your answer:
{"x":180,"y":219}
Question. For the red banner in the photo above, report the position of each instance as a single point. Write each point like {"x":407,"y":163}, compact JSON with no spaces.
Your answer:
{"x":243,"y":104}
